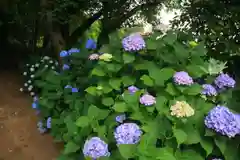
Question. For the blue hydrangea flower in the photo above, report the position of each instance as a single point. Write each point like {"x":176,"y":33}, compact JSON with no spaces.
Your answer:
{"x":133,"y":43}
{"x":95,"y":148}
{"x":224,"y":81}
{"x":209,"y":90}
{"x":41,"y":128}
{"x":182,"y":78}
{"x":68,"y":86}
{"x":147,"y":100}
{"x":49,"y":122}
{"x":65,"y":67}
{"x":73,"y":50}
{"x":34,"y":105}
{"x":35,"y":98}
{"x":121,"y":118}
{"x":223,"y":121}
{"x":132,"y":89}
{"x":74,"y":90}
{"x":127,"y":133}
{"x":91,"y":44}
{"x":63,"y":53}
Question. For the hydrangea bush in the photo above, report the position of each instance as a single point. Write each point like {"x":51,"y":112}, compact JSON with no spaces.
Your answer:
{"x":33,"y":70}
{"x":150,"y":97}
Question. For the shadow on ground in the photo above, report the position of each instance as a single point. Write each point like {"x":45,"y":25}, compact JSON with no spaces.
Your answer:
{"x":19,"y":137}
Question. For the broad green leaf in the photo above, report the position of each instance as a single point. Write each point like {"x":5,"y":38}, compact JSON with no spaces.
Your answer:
{"x":188,"y":155}
{"x":115,"y":83}
{"x":98,"y":72}
{"x":107,"y":101}
{"x":160,"y":75}
{"x":120,"y":107}
{"x":161,"y":102}
{"x":207,"y":145}
{"x":165,"y":154}
{"x":180,"y":135}
{"x":91,"y":90}
{"x":128,"y":58}
{"x":83,"y":121}
{"x":170,"y":38}
{"x":221,"y":143}
{"x":171,"y":89}
{"x":71,"y":147}
{"x":193,"y":135}
{"x":147,"y":80}
{"x":127,"y":80}
{"x":195,"y":71}
{"x":127,"y":150}
{"x":93,"y":112}
{"x":152,"y":44}
{"x":193,"y":90}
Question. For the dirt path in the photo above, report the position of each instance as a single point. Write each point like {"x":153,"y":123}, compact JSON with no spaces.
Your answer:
{"x":19,"y":137}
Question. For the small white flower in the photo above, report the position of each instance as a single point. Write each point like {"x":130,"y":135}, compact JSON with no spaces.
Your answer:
{"x":51,"y":61}
{"x":25,"y":84}
{"x":42,"y":60}
{"x":32,"y":69}
{"x":56,"y":63}
{"x":21,"y":89}
{"x":32,"y":93}
{"x":29,"y":81}
{"x":37,"y":65}
{"x":32,"y":76}
{"x":46,"y":66}
{"x":27,"y":64}
{"x":53,"y":67}
{"x":29,"y":88}
{"x":46,"y":58}
{"x":24,"y":73}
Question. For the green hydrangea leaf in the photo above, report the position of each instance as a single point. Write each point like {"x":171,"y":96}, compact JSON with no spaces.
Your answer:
{"x":71,"y":147}
{"x":107,"y":101}
{"x":98,"y":72}
{"x":128,"y":58}
{"x":147,"y":80}
{"x":160,"y":75}
{"x":127,"y":80}
{"x":188,"y":155}
{"x":171,"y":89}
{"x":127,"y":150}
{"x":180,"y":135}
{"x":83,"y":121}
{"x":193,"y":90}
{"x":120,"y":107}
{"x":115,"y":83}
{"x":165,"y":154}
{"x":207,"y":145}
{"x":91,"y":90}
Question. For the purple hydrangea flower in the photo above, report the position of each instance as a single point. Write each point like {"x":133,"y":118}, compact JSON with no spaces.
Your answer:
{"x":74,"y":90}
{"x":224,"y":81}
{"x":35,"y":98}
{"x":73,"y":50}
{"x":121,"y":118}
{"x":132,"y":89}
{"x":216,"y":159}
{"x":91,"y":44}
{"x":127,"y":133}
{"x":49,"y":122}
{"x":63,"y":53}
{"x":147,"y":100}
{"x":223,"y":121}
{"x":134,"y":42}
{"x":34,"y":105}
{"x":95,"y":148}
{"x":65,"y":67}
{"x":41,"y":128}
{"x":182,"y":78}
{"x":209,"y":90}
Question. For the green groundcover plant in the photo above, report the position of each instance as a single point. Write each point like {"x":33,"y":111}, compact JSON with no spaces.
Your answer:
{"x":143,"y":98}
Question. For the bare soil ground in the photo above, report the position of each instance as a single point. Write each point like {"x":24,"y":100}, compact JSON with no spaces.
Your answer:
{"x":19,"y":137}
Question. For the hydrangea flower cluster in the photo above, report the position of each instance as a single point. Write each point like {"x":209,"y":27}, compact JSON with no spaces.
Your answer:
{"x":127,"y":133}
{"x":41,"y":127}
{"x":121,"y":118}
{"x":223,"y":121}
{"x":224,"y":81}
{"x":91,"y":44}
{"x":95,"y":148}
{"x":133,"y":43}
{"x":49,"y":122}
{"x":73,"y":89}
{"x":181,"y":109}
{"x":147,"y":100}
{"x":31,"y":69}
{"x":132,"y":89}
{"x":182,"y":78}
{"x":71,"y":51}
{"x":209,"y":90}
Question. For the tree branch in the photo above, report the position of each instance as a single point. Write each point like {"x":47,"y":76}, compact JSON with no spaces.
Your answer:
{"x":85,"y":25}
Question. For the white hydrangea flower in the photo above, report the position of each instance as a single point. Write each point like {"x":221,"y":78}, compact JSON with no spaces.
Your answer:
{"x":32,"y":76}
{"x":181,"y":109}
{"x":37,"y":65}
{"x":21,"y":89}
{"x":24,"y":73}
{"x":42,"y":60}
{"x":46,"y":58}
{"x":51,"y":61}
{"x":147,"y":28}
{"x":32,"y":69}
{"x":29,"y":81}
{"x":25,"y":84}
{"x":32,"y":93}
{"x":30,"y":88}
{"x":53,"y":67}
{"x":27,"y":64}
{"x":46,"y":66}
